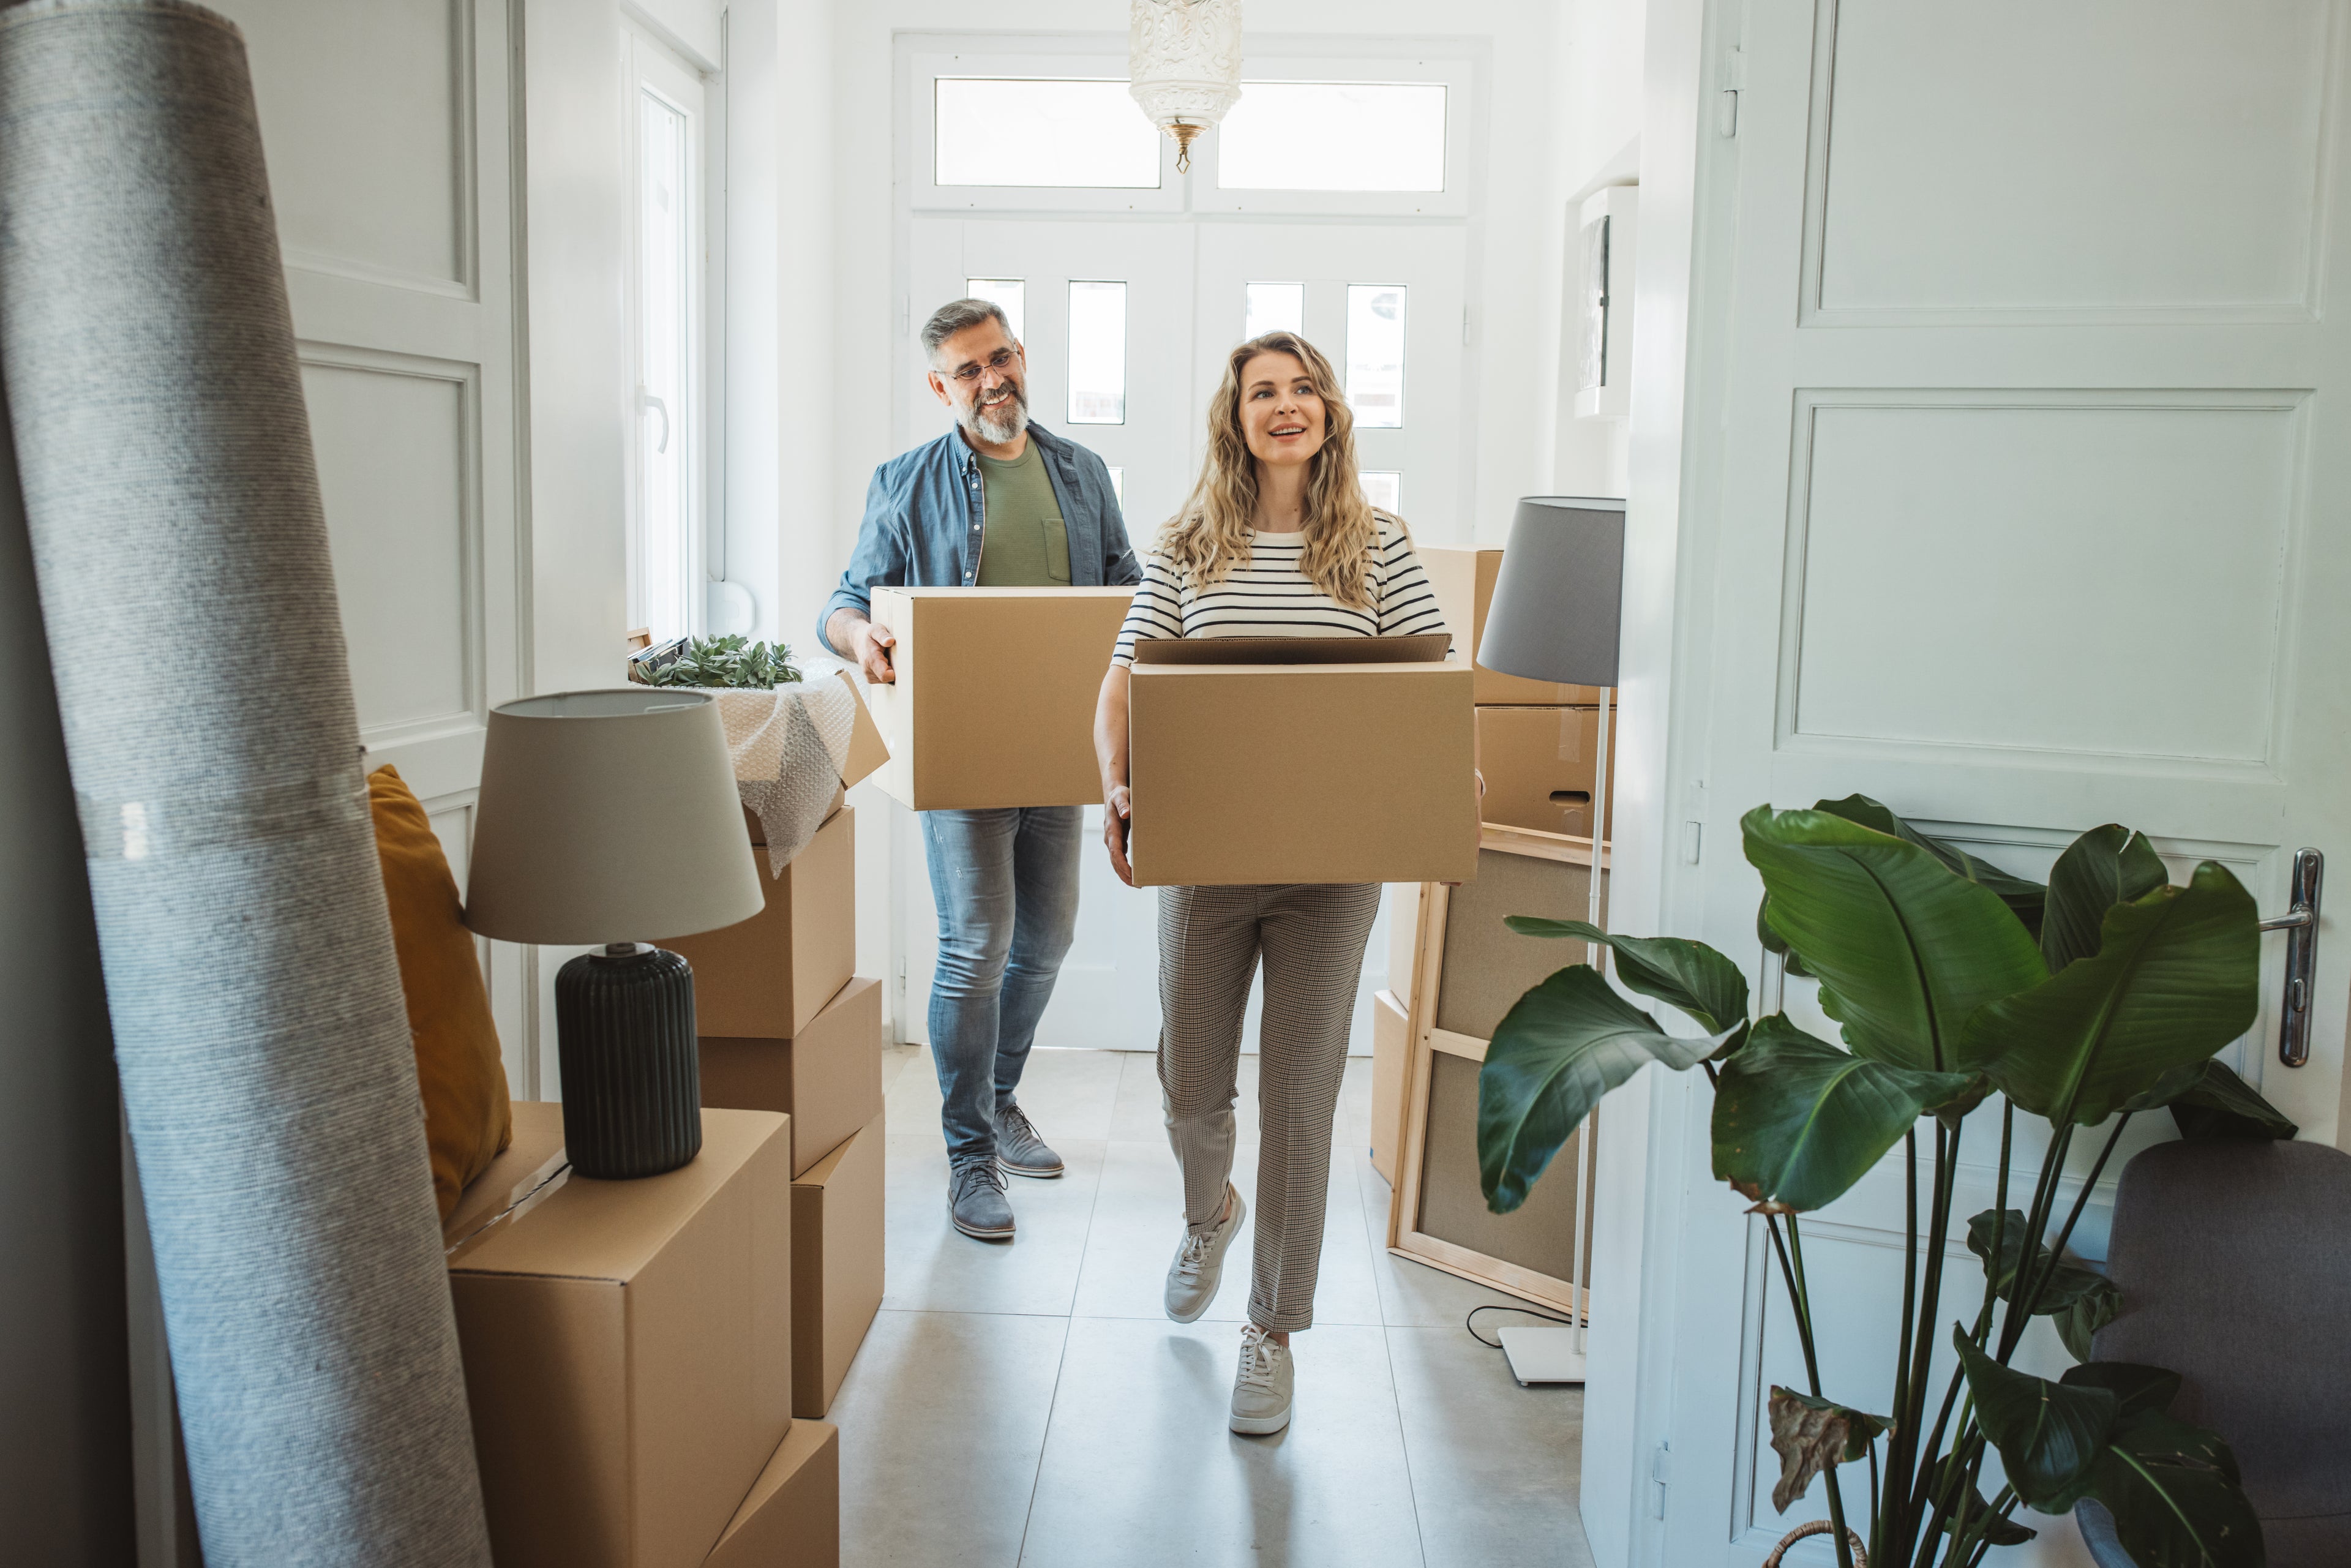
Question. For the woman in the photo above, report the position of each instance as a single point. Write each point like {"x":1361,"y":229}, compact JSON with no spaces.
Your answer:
{"x":1275,"y":541}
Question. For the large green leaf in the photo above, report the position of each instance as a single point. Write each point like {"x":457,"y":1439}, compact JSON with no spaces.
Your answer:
{"x":2133,"y":1386}
{"x":2219,"y":1104}
{"x":1905,"y":950}
{"x":2104,"y":867}
{"x":2054,"y":1293}
{"x":2049,"y":1435}
{"x":2176,"y":1495}
{"x":1560,"y":1048}
{"x":1774,"y":943}
{"x":1797,"y":1122}
{"x":2080,"y":1319}
{"x":1679,"y":973}
{"x":2175,"y":979}
{"x":2023,"y":897}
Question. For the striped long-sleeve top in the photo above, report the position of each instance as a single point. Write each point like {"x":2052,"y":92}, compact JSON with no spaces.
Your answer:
{"x":1268,"y":596}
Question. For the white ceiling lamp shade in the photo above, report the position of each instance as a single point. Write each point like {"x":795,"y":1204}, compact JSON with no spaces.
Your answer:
{"x":1184,"y":59}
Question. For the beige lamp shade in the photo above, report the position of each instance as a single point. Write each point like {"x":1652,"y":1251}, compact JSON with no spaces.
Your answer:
{"x":607,"y":816}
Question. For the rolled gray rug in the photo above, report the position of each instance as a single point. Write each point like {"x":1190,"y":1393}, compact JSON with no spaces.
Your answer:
{"x":189,"y":607}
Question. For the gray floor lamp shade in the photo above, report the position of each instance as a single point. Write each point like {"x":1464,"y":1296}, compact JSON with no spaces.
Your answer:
{"x":188,"y":597}
{"x":1559,"y":602}
{"x":605,"y":815}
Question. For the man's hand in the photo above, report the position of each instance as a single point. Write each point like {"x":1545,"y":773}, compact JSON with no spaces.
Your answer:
{"x":870,"y":645}
{"x":1117,"y":808}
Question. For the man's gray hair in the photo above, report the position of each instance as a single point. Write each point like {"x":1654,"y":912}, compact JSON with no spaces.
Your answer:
{"x":955,"y":316}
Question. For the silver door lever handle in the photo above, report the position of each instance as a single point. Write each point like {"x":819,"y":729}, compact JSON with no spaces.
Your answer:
{"x":2301,"y":919}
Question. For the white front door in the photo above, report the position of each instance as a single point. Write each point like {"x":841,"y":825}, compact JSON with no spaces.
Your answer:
{"x":2027,"y":437}
{"x":1178,"y":295}
{"x":391,"y":167}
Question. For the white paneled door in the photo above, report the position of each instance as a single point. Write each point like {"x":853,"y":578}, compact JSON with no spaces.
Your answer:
{"x":2029,"y":479}
{"x":386,"y":126}
{"x":1184,"y":298}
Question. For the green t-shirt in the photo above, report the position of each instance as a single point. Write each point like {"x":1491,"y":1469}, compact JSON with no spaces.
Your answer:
{"x":1025,"y":544}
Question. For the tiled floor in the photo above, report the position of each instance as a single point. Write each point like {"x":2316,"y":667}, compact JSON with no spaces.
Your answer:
{"x":1031,"y":1404}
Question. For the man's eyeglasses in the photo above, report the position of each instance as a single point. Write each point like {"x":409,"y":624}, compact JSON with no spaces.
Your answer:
{"x":999,"y":361}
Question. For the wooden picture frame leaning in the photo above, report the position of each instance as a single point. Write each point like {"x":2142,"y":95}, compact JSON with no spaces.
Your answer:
{"x":1430,"y":1047}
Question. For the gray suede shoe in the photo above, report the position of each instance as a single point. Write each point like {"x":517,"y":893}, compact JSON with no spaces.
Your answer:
{"x":975,"y":1201}
{"x":1019,"y":1149}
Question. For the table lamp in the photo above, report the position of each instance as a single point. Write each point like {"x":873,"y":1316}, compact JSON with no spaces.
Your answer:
{"x":602,"y":815}
{"x":1556,"y":615}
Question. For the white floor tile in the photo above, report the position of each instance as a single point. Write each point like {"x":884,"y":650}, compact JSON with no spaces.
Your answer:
{"x":1141,"y":1470}
{"x":931,"y":1266}
{"x":942,"y":1421}
{"x":1494,"y":1466}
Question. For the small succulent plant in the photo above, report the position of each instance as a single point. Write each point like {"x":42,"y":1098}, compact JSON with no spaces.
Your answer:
{"x":732,"y":661}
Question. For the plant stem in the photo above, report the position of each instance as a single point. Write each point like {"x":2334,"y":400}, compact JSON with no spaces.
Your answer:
{"x":1902,"y":1419}
{"x":2081,"y":1200}
{"x":2036,"y":1224}
{"x":1792,"y":1268}
{"x":1947,"y":1154}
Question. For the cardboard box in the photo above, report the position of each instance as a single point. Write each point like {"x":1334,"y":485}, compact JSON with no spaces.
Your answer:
{"x":1539,"y":764}
{"x":792,"y":1518}
{"x":1391,"y":1060}
{"x":1282,"y":773}
{"x":769,"y":976}
{"x":827,"y":1078}
{"x":994,"y":700}
{"x":836,"y":1265}
{"x":1464,"y":580}
{"x":626,"y":1348}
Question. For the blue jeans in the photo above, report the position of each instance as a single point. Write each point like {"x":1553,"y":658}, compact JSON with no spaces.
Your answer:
{"x":1006,"y":883}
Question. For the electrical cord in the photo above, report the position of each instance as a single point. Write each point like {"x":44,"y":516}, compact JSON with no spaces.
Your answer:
{"x":1471,"y":1322}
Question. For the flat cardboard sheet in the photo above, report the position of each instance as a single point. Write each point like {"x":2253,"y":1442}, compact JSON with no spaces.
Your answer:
{"x":1464,"y":580}
{"x":1487,"y":967}
{"x":792,"y":1518}
{"x":626,"y":1351}
{"x":994,"y":700}
{"x":1391,"y":1058}
{"x":1301,"y":773}
{"x":1540,"y":766}
{"x":836,"y":1265}
{"x":1540,"y":1234}
{"x":766,"y":976}
{"x":828,"y":1078}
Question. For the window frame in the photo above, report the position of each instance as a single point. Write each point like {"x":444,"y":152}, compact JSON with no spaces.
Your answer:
{"x":1458,"y":73}
{"x":920,"y":170}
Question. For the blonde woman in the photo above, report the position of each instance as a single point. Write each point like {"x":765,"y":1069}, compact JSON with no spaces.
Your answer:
{"x":1277,"y":540}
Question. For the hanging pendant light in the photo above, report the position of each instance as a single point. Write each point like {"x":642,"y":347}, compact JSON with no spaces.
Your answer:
{"x":1184,"y":57}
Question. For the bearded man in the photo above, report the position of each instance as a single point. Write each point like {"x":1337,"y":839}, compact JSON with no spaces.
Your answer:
{"x":996,"y":502}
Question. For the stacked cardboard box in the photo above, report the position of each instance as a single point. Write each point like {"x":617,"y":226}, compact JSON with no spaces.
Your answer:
{"x":787,"y":1026}
{"x":628,"y":1353}
{"x":1537,"y":742}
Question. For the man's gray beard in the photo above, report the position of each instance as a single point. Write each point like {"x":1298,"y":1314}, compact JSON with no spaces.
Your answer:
{"x":1000,"y":423}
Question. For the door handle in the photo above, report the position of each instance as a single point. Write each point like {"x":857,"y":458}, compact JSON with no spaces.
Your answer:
{"x":2300,"y":923}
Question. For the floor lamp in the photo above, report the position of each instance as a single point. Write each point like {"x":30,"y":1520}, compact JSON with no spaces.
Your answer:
{"x":1557,"y":612}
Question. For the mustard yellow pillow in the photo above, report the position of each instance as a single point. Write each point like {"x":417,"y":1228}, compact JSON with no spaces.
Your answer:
{"x":467,"y":1120}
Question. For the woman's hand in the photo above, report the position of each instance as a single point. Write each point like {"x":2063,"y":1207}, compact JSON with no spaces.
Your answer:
{"x":1116,"y":810}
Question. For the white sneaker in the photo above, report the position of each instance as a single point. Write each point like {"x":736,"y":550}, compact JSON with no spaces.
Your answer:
{"x":1261,"y":1390}
{"x":1199,"y":1265}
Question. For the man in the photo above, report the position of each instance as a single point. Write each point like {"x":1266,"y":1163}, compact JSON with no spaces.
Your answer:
{"x":995,"y":503}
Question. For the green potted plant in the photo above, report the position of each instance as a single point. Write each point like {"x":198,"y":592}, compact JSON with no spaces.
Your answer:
{"x":730,"y":662}
{"x":2104,"y":994}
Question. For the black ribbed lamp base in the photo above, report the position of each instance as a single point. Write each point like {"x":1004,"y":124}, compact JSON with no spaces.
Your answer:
{"x":631,"y":1073}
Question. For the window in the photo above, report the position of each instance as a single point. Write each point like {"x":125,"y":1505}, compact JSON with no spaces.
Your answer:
{"x":1274,"y":308}
{"x":1376,"y":354}
{"x":666,"y":307}
{"x":1038,"y":132}
{"x":1383,"y":488}
{"x":1097,"y":353}
{"x":1010,"y":294}
{"x":1334,"y":136}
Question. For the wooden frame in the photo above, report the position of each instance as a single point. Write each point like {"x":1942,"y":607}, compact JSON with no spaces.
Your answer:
{"x":1405,"y":1238}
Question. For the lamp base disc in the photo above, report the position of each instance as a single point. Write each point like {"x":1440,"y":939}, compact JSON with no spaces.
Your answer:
{"x":1544,"y":1354}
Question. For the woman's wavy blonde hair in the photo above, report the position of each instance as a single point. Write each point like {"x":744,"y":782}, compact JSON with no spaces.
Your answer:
{"x":1210,"y":536}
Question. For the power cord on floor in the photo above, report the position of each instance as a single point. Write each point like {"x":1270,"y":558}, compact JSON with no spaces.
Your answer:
{"x":1471,"y":1322}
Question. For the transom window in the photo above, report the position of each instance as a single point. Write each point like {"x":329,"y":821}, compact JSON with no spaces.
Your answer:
{"x":1334,"y":136}
{"x":1012,"y":131}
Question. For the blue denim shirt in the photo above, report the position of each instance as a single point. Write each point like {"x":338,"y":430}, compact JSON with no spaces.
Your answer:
{"x":925,"y":520}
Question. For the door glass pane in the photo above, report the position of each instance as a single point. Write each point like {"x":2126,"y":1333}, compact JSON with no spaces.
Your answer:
{"x":1334,"y":136}
{"x":664,"y":403}
{"x":1376,"y":354}
{"x":1043,"y":133}
{"x":1097,"y":353}
{"x":1383,"y":488}
{"x":1118,"y":485}
{"x":1274,"y":308}
{"x":1010,"y":294}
